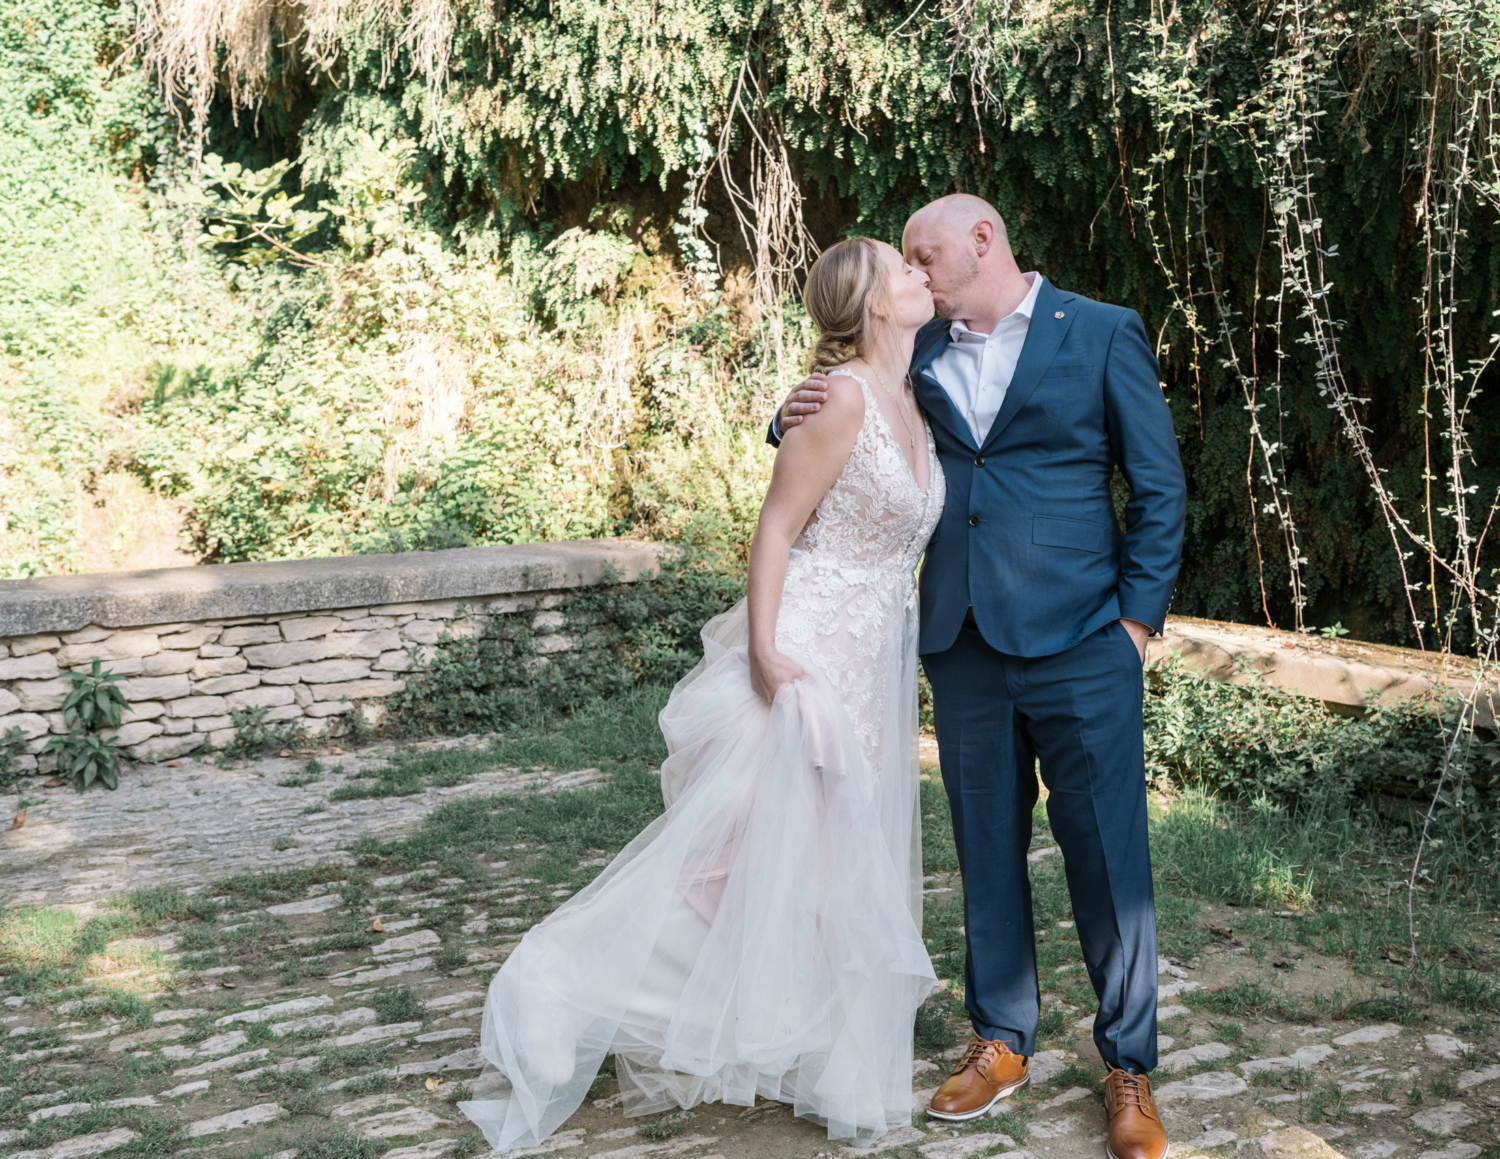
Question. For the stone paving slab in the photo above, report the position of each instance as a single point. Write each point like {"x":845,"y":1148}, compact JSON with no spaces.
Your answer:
{"x":200,"y":822}
{"x":253,"y":1069}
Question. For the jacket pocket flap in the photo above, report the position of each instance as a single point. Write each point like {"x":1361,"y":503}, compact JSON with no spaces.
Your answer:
{"x":1050,"y":531}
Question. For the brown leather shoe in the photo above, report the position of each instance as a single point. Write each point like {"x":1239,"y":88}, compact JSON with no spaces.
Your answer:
{"x":1135,"y":1130}
{"x":987,"y":1073}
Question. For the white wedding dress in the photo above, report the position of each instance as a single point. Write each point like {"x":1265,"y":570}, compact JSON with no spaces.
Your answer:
{"x":762,"y":936}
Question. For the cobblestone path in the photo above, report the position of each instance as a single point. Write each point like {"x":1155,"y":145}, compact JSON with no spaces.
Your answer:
{"x":316,"y":1036}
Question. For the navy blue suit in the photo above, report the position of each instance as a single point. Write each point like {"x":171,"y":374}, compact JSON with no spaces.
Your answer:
{"x":1022,"y":591}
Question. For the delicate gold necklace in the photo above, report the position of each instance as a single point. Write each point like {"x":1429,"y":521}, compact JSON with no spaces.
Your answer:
{"x":900,"y":410}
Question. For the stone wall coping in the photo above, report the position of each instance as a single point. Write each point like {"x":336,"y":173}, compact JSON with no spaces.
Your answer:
{"x":124,"y":599}
{"x":1340,"y":672}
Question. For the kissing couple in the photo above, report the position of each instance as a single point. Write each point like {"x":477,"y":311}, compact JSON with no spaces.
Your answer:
{"x":763,"y":936}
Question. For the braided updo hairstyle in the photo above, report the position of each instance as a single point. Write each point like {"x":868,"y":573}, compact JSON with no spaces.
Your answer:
{"x":837,"y":295}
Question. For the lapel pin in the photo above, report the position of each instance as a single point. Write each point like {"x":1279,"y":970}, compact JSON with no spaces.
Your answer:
{"x":1059,"y":314}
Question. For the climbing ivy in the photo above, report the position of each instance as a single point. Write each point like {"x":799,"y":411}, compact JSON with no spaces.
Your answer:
{"x":1118,"y":137}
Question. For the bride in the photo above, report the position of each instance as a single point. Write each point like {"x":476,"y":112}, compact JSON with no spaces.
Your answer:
{"x":763,"y":936}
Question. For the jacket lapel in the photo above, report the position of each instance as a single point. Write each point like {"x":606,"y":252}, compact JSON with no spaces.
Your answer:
{"x":1043,"y":337}
{"x":933,"y":398}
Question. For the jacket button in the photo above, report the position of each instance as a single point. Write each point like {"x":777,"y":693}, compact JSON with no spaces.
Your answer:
{"x":973,"y":521}
{"x":979,"y":462}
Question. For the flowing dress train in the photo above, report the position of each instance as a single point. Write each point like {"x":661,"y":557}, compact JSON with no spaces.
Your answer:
{"x":763,"y":935}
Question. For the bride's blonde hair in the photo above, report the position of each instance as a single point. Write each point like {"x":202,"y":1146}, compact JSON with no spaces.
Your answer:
{"x":837,"y":295}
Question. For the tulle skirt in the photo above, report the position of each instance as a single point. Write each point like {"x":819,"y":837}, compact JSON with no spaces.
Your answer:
{"x":760,"y":937}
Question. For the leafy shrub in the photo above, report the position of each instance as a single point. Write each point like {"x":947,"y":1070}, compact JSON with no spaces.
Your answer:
{"x":255,"y":737}
{"x":93,"y":705}
{"x":639,"y":633}
{"x":1252,"y":738}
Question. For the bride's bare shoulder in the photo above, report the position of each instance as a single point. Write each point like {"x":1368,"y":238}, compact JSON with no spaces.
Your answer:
{"x":846,"y":401}
{"x":840,"y":417}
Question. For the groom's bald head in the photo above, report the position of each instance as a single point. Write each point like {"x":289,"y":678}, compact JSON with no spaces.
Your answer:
{"x":960,"y":243}
{"x":956,"y":215}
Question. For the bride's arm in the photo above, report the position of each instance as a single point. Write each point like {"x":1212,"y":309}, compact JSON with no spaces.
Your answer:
{"x":808,"y":464}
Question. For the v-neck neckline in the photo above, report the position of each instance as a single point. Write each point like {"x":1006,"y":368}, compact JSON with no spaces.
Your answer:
{"x":891,"y":431}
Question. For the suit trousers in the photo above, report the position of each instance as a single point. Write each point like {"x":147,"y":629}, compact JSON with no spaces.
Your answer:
{"x":1077,"y":716}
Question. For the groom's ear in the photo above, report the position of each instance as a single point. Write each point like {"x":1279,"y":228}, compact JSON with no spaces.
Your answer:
{"x":984,"y":237}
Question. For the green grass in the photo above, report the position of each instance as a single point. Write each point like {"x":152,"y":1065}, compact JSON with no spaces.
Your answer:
{"x":337,"y":1143}
{"x":398,"y":1004}
{"x":311,"y":773}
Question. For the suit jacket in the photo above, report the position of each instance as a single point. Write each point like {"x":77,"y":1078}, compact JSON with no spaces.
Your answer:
{"x":1028,"y":536}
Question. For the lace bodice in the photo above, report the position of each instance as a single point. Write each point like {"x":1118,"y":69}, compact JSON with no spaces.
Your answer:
{"x":849,"y":606}
{"x":875,"y":513}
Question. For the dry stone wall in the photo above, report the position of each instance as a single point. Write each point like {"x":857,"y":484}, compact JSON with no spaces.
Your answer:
{"x":312,"y":666}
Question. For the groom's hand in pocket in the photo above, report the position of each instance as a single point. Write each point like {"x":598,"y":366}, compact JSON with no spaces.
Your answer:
{"x":807,"y":399}
{"x":1138,"y":633}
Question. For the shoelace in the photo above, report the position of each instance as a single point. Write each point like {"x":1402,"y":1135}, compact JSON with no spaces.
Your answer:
{"x":979,"y":1053}
{"x":1130,"y":1088}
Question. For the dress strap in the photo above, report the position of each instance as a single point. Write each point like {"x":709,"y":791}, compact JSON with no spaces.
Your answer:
{"x":847,"y":373}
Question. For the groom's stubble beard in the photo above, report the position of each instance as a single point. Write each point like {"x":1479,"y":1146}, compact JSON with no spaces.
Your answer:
{"x":948,"y":299}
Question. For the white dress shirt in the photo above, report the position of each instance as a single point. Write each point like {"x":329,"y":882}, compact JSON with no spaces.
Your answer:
{"x":976,"y":369}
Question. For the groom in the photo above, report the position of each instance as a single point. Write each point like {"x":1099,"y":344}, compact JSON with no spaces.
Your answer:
{"x":1035,"y":614}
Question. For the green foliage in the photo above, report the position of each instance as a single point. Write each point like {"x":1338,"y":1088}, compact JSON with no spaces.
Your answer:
{"x":92,"y":706}
{"x":158,"y":904}
{"x":312,"y":772}
{"x":666,"y":1127}
{"x":504,"y":320}
{"x":13,"y":744}
{"x":254,"y":736}
{"x":253,"y":216}
{"x":1253,"y":738}
{"x":95,"y":701}
{"x":1155,"y":129}
{"x":638,"y":633}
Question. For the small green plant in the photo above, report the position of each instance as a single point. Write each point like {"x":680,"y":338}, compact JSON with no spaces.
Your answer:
{"x":452,"y":956}
{"x":1334,"y":631}
{"x":12,"y":746}
{"x":255,"y":737}
{"x":467,"y":1144}
{"x":932,"y":1032}
{"x":283,"y":843}
{"x":1299,"y":1078}
{"x":666,"y":1127}
{"x":311,"y":772}
{"x":93,"y":705}
{"x":1327,"y":1102}
{"x":1074,"y":1075}
{"x":1443,"y":1086}
{"x":1229,"y":1032}
{"x":1414,"y":1096}
{"x":398,"y":1004}
{"x":1052,"y":1022}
